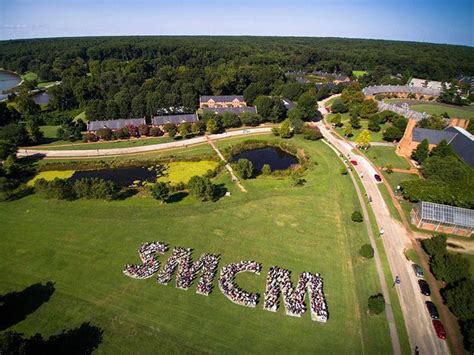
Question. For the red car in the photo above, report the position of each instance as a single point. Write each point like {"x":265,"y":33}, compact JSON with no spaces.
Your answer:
{"x":354,"y":162}
{"x":440,"y":332}
{"x":377,"y":177}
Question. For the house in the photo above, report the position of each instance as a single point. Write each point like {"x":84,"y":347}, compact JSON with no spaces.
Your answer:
{"x":237,"y":110}
{"x":341,"y":79}
{"x":288,"y":103}
{"x":93,"y":126}
{"x":468,"y":81}
{"x":222,"y":101}
{"x":423,"y":83}
{"x":174,"y":119}
{"x":460,"y":140}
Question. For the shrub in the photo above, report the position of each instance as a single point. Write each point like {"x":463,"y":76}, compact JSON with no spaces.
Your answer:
{"x":285,"y":130}
{"x":312,"y":133}
{"x":376,"y":304}
{"x":373,"y":125}
{"x":58,"y":189}
{"x":244,"y":168}
{"x":89,"y":137}
{"x":367,"y":251}
{"x":389,"y":168}
{"x":275,"y":131}
{"x":94,"y":188}
{"x":392,"y":134}
{"x":156,"y":132}
{"x":337,"y":120}
{"x":266,"y":169}
{"x":144,"y":130}
{"x":104,"y":133}
{"x":357,"y":217}
{"x":338,"y":106}
{"x":250,"y":119}
{"x":343,"y":171}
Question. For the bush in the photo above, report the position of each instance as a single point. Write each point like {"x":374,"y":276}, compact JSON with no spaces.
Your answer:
{"x":367,"y":251}
{"x":244,"y":168}
{"x":58,"y":189}
{"x":312,"y":133}
{"x":373,"y":125}
{"x":156,"y":132}
{"x":94,"y":188}
{"x":266,"y":169}
{"x":343,"y":171}
{"x":275,"y":131}
{"x":160,"y":191}
{"x":90,"y":137}
{"x":376,"y":304}
{"x":104,"y":133}
{"x":357,"y":217}
{"x":144,"y":130}
{"x":338,"y":106}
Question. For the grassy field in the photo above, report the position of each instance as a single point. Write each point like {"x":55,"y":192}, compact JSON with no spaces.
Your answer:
{"x":51,"y":175}
{"x":381,"y":156}
{"x":81,"y":116}
{"x":29,"y":76}
{"x":45,"y":83}
{"x":49,"y":131}
{"x":359,"y":73}
{"x":182,"y":171}
{"x":395,"y":178}
{"x":83,"y":245}
{"x":452,"y":111}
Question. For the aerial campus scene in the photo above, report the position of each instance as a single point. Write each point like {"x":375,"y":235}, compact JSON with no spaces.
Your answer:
{"x":261,"y":177}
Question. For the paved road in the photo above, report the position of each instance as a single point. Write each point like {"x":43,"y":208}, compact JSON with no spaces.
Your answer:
{"x":395,"y":241}
{"x":141,"y":149}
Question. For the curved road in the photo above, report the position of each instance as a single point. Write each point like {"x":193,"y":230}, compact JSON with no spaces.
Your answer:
{"x":395,"y":240}
{"x":145,"y":148}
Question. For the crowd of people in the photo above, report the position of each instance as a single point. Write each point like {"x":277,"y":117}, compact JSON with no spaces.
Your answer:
{"x":279,"y":281}
{"x":150,"y":263}
{"x":229,"y":288}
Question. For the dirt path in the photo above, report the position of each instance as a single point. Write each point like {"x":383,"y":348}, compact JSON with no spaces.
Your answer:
{"x":227,"y":165}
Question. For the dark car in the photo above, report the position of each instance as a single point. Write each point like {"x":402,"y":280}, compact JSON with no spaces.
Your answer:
{"x":377,"y":177}
{"x":418,"y":270}
{"x":432,"y":310}
{"x":424,"y":287}
{"x":439,"y":328}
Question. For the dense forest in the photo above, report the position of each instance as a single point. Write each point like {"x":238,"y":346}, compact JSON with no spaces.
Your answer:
{"x":113,"y":77}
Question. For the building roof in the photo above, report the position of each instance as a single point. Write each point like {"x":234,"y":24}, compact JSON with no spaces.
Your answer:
{"x":462,"y":144}
{"x":221,"y":98}
{"x":437,"y":213}
{"x":175,"y":119}
{"x":433,"y":136}
{"x":115,"y":124}
{"x":236,"y":110}
{"x":423,"y":83}
{"x":288,"y":103}
{"x":342,"y":77}
{"x":382,"y":89}
{"x":330,"y":86}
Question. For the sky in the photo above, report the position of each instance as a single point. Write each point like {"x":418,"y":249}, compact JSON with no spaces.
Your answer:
{"x":437,"y":21}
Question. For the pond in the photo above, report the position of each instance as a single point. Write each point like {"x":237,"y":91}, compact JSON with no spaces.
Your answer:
{"x":121,"y":177}
{"x":41,"y":98}
{"x":8,"y":80}
{"x":275,"y":157}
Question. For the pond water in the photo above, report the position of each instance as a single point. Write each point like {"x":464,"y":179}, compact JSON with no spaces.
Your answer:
{"x":8,"y":80}
{"x":273,"y":156}
{"x":122,"y":177}
{"x":41,"y":98}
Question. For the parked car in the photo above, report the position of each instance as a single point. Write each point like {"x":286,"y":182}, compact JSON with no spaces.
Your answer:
{"x":439,"y":328}
{"x":418,"y":270}
{"x":354,"y":162}
{"x":377,"y":177}
{"x":432,"y":310}
{"x":424,"y":287}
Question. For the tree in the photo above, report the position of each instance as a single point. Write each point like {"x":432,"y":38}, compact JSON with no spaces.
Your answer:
{"x":266,"y":169}
{"x":367,"y":251}
{"x":363,"y":139}
{"x":337,"y":120}
{"x":250,"y":119}
{"x":264,"y":106}
{"x":244,"y":168}
{"x":442,"y":150}
{"x":421,"y":152}
{"x":230,"y":119}
{"x":374,"y":125}
{"x":307,"y":105}
{"x":160,"y":191}
{"x":214,"y":125}
{"x":435,"y":245}
{"x":449,"y":169}
{"x":376,"y":304}
{"x":15,"y":134}
{"x":338,"y":106}
{"x":202,"y":188}
{"x":198,"y":128}
{"x":348,"y":130}
{"x":357,"y":217}
{"x":392,"y":134}
{"x":6,"y":149}
{"x":33,"y":131}
{"x":295,"y":118}
{"x":292,"y":90}
{"x":285,"y":129}
{"x":355,"y":121}
{"x":459,"y":299}
{"x":368,"y":108}
{"x":312,"y":133}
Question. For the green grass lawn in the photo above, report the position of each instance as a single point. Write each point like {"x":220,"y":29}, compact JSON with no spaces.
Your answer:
{"x":81,"y":116}
{"x":64,"y":145}
{"x":83,"y":245}
{"x":45,"y":83}
{"x":182,"y":171}
{"x":381,"y":156}
{"x":452,"y":111}
{"x":359,"y":73}
{"x":49,"y":131}
{"x":374,"y":136}
{"x":395,"y":178}
{"x":29,"y":76}
{"x":51,"y":175}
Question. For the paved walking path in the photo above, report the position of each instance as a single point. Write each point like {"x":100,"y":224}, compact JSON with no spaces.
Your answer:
{"x":382,"y":144}
{"x":141,"y":149}
{"x":388,"y":305}
{"x":227,"y":165}
{"x":395,"y":240}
